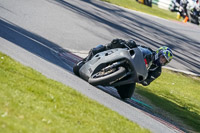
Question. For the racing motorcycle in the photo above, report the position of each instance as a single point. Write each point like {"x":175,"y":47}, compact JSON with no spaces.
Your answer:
{"x":183,"y":9}
{"x":194,"y":16}
{"x":180,"y":8}
{"x":120,"y":68}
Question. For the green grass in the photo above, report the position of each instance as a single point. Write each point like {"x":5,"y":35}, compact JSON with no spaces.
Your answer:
{"x":154,"y":10}
{"x":29,"y":102}
{"x":178,"y":95}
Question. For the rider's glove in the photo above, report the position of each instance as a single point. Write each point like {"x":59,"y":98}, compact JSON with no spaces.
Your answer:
{"x":117,"y":43}
{"x":131,"y":44}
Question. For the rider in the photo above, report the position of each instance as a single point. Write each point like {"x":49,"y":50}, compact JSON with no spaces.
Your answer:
{"x":191,"y":5}
{"x":154,"y":60}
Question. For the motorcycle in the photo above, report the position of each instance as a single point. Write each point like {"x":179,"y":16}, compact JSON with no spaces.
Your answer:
{"x":184,"y":11}
{"x":194,"y":16}
{"x":145,"y":2}
{"x":180,"y":8}
{"x":120,"y":68}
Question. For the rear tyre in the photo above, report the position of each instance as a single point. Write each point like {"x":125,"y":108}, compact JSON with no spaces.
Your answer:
{"x":126,"y":91}
{"x":105,"y":78}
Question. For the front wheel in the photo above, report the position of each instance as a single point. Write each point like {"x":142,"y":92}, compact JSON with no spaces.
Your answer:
{"x":105,"y":78}
{"x":77,"y":67}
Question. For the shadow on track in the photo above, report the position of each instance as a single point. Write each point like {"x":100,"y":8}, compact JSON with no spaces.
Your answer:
{"x":55,"y":54}
{"x":115,"y":20}
{"x":36,"y":44}
{"x":144,"y":31}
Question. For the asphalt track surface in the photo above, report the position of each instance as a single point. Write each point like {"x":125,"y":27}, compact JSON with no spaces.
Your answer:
{"x":41,"y":34}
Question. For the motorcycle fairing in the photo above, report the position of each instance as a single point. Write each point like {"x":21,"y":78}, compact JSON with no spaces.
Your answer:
{"x":100,"y":60}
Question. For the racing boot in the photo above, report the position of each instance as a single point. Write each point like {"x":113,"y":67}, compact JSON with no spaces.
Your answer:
{"x":92,"y":52}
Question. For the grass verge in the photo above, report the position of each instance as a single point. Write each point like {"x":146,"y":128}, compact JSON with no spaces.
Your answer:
{"x":154,"y":10}
{"x":29,"y":102}
{"x":176,"y":94}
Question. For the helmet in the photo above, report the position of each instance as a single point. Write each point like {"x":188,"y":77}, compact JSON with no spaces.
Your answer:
{"x":165,"y":52}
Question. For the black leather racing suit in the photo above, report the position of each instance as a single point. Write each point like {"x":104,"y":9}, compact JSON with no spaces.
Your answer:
{"x":154,"y":71}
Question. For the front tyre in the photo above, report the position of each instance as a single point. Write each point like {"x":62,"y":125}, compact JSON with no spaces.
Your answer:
{"x":77,"y":67}
{"x":105,"y":78}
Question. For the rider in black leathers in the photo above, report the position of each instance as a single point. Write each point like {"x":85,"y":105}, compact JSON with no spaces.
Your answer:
{"x":151,"y":58}
{"x":154,"y":61}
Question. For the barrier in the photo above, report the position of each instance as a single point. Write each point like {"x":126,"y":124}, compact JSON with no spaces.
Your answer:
{"x":155,"y":2}
{"x":164,"y":4}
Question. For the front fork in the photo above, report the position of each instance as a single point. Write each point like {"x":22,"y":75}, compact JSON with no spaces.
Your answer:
{"x":114,"y":65}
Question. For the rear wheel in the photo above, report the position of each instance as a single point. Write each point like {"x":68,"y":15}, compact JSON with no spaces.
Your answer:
{"x":126,"y":91}
{"x":106,"y":77}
